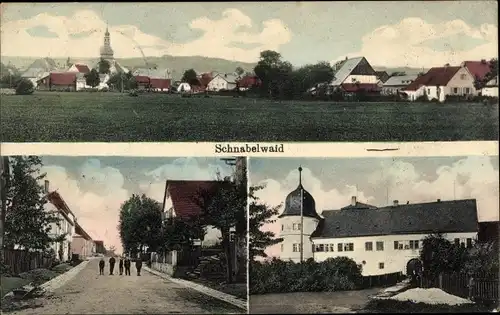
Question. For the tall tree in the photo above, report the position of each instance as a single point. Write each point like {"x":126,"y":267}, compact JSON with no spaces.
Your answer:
{"x":190,"y":77}
{"x":140,"y":224}
{"x":92,"y":78}
{"x":260,"y":214}
{"x":27,"y":223}
{"x":273,"y":72}
{"x":225,"y":209}
{"x":104,"y":66}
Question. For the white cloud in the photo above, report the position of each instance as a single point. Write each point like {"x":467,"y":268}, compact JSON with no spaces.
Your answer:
{"x":98,"y":213}
{"x":216,"y":41}
{"x":404,"y":43}
{"x":471,"y":177}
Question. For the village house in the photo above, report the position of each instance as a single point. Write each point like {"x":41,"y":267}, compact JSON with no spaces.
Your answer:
{"x":158,"y":80}
{"x":355,"y":75}
{"x":440,"y":82}
{"x":58,"y":81}
{"x":99,"y":247}
{"x":66,"y":226}
{"x":383,"y":240}
{"x":249,"y":81}
{"x":38,"y":69}
{"x":79,"y":68}
{"x":83,"y":245}
{"x":226,"y":81}
{"x":81,"y":82}
{"x":396,"y":84}
{"x":490,"y":88}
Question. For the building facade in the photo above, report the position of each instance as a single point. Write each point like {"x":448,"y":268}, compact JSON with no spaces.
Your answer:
{"x":83,"y":245}
{"x":223,"y":82}
{"x":381,"y":239}
{"x":395,"y":85}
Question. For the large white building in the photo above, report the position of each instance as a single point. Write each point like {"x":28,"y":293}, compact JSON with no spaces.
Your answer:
{"x":382,"y":240}
{"x":223,"y":82}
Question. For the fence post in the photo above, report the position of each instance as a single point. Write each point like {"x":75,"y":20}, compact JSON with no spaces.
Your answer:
{"x":441,"y":281}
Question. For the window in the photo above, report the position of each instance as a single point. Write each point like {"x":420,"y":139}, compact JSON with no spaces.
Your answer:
{"x":332,"y":247}
{"x":428,"y":91}
{"x":380,"y":245}
{"x":455,"y":90}
{"x":381,"y":266}
{"x":457,"y":241}
{"x":294,"y":227}
{"x":368,"y":246}
{"x":282,"y":227}
{"x":298,"y":226}
{"x":281,"y":247}
{"x":295,"y":247}
{"x":463,"y":77}
{"x":321,"y":247}
{"x":469,"y":243}
{"x":349,"y":247}
{"x":339,"y":247}
{"x":396,"y":245}
{"x":467,"y":90}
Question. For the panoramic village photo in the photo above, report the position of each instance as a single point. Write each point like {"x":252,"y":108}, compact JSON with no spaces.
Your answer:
{"x":123,"y":235}
{"x":374,"y":234}
{"x":250,"y":71}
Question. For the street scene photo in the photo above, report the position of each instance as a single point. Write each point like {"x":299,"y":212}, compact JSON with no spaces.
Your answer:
{"x":249,"y":71}
{"x":123,"y":235}
{"x":374,"y":235}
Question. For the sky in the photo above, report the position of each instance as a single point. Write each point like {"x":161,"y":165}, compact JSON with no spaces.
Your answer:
{"x":95,"y":187}
{"x":392,"y":34}
{"x":378,"y":181}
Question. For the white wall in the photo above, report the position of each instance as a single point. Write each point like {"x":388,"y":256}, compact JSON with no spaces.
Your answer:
{"x":217,"y":83}
{"x":291,"y":235}
{"x":490,"y":91}
{"x":393,"y":260}
{"x":462,"y":83}
{"x":368,"y":79}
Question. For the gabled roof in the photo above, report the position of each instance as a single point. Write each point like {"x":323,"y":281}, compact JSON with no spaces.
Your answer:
{"x":82,"y":68}
{"x":346,"y":67}
{"x":186,"y":195}
{"x":422,"y":218}
{"x":438,"y":76}
{"x":478,"y":69}
{"x":401,"y":80}
{"x":228,"y":77}
{"x":160,"y":83}
{"x":62,"y":78}
{"x":58,"y":202}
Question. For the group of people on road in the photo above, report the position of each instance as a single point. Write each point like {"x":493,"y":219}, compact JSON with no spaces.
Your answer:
{"x":123,"y":265}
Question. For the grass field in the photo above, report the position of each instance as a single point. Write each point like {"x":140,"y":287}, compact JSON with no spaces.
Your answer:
{"x":51,"y":117}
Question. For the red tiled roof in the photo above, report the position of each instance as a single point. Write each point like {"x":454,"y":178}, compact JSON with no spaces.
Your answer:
{"x":478,"y":69}
{"x":82,"y":68}
{"x":65,"y":78}
{"x":56,"y":199}
{"x":160,"y":83}
{"x":439,"y":76}
{"x":142,"y":79}
{"x":183,"y":194}
{"x":353,"y":87}
{"x":249,"y":81}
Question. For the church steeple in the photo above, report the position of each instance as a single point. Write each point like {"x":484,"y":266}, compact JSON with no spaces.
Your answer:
{"x":106,"y":50}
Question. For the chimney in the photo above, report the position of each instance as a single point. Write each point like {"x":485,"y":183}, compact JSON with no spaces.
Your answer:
{"x":46,"y":187}
{"x":353,"y":201}
{"x":395,"y":203}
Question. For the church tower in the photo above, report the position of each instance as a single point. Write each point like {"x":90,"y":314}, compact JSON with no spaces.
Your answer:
{"x":106,"y":50}
{"x":298,"y":222}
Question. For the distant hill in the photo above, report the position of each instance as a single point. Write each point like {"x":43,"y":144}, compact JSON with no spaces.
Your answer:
{"x":407,"y":70}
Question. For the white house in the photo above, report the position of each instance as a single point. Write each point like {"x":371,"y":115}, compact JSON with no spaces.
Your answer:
{"x":184,"y":87}
{"x":83,"y":245}
{"x":382,"y":240}
{"x":491,"y":88}
{"x":440,"y":82}
{"x":80,"y":68}
{"x":81,"y":81}
{"x":222,"y":82}
{"x":396,"y":84}
{"x":354,"y":70}
{"x":66,"y":227}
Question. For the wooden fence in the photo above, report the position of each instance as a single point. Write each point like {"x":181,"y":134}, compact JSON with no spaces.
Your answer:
{"x":483,"y":287}
{"x":22,"y":260}
{"x":381,"y":280}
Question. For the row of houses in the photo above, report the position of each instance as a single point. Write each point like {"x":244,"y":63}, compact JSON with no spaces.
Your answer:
{"x":356,"y":74}
{"x":76,"y":240}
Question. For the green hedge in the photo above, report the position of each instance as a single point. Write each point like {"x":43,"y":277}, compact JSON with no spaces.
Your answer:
{"x":277,"y":276}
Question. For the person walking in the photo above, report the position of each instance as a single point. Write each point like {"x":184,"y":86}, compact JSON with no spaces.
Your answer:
{"x":138,"y":266}
{"x":101,"y":267}
{"x":111,"y":265}
{"x":127,"y":266}
{"x":120,"y":265}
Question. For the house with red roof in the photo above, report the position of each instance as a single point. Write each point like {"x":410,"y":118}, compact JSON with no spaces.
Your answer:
{"x":249,"y":81}
{"x":58,"y":81}
{"x":79,"y":68}
{"x":478,"y":69}
{"x":143,"y":82}
{"x":160,"y":84}
{"x":440,"y":82}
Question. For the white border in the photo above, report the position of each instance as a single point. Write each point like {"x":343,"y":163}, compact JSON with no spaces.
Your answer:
{"x":205,"y":149}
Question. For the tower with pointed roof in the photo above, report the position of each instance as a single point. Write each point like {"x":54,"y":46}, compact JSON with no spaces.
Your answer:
{"x":106,"y":50}
{"x":300,"y":209}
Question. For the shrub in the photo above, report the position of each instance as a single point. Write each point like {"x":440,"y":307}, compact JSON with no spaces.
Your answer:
{"x":25,"y":87}
{"x":277,"y":276}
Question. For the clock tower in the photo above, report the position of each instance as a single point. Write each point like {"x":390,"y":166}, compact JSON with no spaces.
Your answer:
{"x":298,"y":222}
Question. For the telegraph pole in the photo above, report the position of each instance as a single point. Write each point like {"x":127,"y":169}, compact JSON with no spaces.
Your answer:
{"x":301,"y":216}
{"x":5,"y":182}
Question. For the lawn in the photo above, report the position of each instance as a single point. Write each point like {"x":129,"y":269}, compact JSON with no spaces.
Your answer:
{"x":53,"y":116}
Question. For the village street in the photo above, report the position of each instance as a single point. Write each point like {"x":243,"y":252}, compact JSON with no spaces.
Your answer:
{"x":90,"y":293}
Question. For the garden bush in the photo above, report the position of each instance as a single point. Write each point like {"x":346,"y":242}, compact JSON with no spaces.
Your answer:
{"x":278,"y":276}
